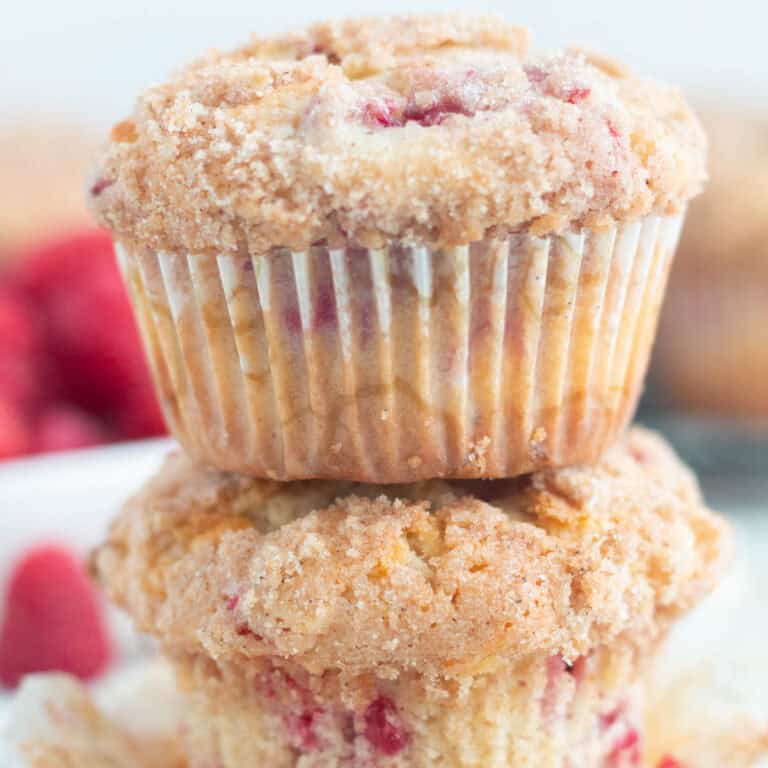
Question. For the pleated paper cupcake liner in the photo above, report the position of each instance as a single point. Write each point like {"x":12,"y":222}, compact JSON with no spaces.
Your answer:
{"x":488,"y":360}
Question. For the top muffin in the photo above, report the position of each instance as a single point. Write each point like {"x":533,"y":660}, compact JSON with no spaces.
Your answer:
{"x":340,"y":133}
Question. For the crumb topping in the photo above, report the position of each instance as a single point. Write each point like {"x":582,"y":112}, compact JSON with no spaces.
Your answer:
{"x":427,"y":130}
{"x":441,"y":577}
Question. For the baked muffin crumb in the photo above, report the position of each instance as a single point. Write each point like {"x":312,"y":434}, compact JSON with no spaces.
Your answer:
{"x":441,"y":577}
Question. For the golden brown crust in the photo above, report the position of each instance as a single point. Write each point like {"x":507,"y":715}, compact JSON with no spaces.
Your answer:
{"x":338,"y":133}
{"x":428,"y":577}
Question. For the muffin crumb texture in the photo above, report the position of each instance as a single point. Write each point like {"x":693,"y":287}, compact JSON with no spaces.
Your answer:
{"x":449,"y":579}
{"x":430,"y":130}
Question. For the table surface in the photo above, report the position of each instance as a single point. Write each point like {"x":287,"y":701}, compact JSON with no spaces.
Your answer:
{"x":71,"y":497}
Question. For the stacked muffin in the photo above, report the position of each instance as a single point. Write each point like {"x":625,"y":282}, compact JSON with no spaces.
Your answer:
{"x":398,"y":280}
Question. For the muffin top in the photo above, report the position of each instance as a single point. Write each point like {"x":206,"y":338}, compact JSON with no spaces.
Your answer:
{"x":428,"y":130}
{"x":444,"y":578}
{"x":729,"y":224}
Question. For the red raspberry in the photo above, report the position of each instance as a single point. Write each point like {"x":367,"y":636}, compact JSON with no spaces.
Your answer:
{"x":140,"y":415}
{"x":383,"y":728}
{"x":53,"y":619}
{"x":18,"y":331}
{"x":64,"y":428}
{"x":21,"y":346}
{"x":21,"y":381}
{"x":15,"y":432}
{"x":64,"y":262}
{"x":95,"y":341}
{"x":92,"y":336}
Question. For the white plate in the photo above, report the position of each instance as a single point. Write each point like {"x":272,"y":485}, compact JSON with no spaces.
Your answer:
{"x":72,"y":497}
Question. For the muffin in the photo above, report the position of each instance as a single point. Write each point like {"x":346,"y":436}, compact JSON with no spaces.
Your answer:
{"x":397,"y":249}
{"x":712,"y":354}
{"x":457,"y":623}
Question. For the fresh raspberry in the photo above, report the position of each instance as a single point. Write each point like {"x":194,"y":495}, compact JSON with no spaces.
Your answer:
{"x":63,"y":263}
{"x":64,"y":428}
{"x":18,"y":330}
{"x":22,"y":381}
{"x":95,"y":342}
{"x":383,"y":728}
{"x":140,"y":414}
{"x":92,"y":337}
{"x":53,"y":619}
{"x":15,"y":432}
{"x":21,"y":351}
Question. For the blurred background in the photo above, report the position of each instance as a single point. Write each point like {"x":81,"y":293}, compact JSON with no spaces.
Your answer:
{"x":87,"y":58}
{"x":72,"y":372}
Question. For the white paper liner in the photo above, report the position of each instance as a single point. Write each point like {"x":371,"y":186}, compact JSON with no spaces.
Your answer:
{"x":488,"y":360}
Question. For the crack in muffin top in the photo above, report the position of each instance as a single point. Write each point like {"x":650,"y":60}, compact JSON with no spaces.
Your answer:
{"x":447,"y":578}
{"x":429,"y":131}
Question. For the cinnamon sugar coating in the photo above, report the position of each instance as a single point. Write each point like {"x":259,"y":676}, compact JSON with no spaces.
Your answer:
{"x":430,"y":130}
{"x":445,"y":578}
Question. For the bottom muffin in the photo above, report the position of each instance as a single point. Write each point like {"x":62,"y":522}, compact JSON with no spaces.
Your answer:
{"x":450,"y":624}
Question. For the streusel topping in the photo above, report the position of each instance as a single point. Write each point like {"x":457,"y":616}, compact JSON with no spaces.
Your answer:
{"x":431,"y":130}
{"x":445,"y":578}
